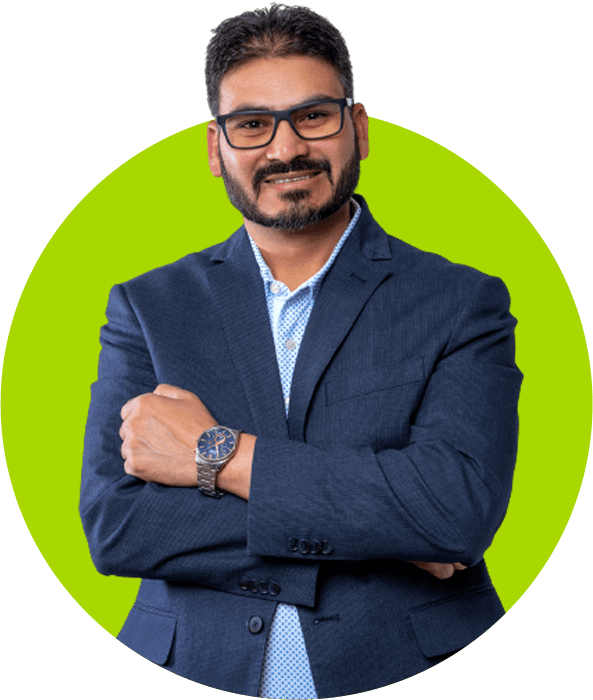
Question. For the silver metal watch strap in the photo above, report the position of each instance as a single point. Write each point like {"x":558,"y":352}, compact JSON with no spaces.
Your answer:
{"x":207,"y":480}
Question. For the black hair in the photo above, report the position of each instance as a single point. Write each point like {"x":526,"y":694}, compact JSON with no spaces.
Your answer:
{"x":279,"y":30}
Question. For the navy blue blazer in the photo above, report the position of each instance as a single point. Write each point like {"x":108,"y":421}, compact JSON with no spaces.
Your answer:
{"x":400,"y":445}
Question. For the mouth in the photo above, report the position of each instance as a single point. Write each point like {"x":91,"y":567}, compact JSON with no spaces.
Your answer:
{"x":287,"y":180}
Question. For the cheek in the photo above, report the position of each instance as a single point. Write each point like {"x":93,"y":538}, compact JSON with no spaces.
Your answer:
{"x":240,"y":165}
{"x":339,"y":153}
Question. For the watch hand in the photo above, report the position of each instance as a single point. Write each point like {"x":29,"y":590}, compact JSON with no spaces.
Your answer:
{"x":219,"y":440}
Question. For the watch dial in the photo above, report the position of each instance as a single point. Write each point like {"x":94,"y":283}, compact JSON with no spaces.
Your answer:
{"x":216,"y":444}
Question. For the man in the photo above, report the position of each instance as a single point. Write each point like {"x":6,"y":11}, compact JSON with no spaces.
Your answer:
{"x":352,"y":398}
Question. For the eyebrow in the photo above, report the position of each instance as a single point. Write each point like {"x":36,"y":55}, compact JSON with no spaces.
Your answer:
{"x":251,"y":107}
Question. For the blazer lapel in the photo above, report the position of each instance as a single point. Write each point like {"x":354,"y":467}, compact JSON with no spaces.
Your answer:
{"x":238,"y":292}
{"x":356,"y":273}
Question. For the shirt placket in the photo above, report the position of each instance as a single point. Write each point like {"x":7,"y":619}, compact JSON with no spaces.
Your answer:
{"x":288,"y":341}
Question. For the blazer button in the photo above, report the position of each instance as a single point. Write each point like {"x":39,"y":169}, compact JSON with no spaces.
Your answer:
{"x":244,"y":583}
{"x":292,"y":544}
{"x":274,"y":588}
{"x":255,"y":624}
{"x":253,"y":587}
{"x":326,"y":547}
{"x":264,"y":587}
{"x":315,"y":547}
{"x":304,"y":546}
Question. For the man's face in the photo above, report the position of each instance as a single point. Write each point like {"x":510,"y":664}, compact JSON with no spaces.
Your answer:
{"x":327,"y":169}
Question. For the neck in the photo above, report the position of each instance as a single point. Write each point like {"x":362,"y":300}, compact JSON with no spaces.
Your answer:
{"x":295,"y":256}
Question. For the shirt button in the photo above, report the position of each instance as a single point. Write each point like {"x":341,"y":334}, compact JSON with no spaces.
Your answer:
{"x":255,"y":624}
{"x":274,"y":287}
{"x":286,"y":401}
{"x":290,"y":344}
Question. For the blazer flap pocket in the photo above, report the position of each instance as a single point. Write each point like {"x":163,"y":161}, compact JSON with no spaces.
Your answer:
{"x":376,"y":379}
{"x":451,"y":624}
{"x":149,"y":632}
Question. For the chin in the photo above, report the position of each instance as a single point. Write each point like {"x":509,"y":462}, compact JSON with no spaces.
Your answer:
{"x":295,"y":211}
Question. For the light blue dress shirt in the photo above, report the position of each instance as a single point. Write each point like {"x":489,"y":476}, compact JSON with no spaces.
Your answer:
{"x":286,"y":672}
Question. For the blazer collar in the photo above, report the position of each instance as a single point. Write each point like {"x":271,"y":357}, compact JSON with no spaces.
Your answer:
{"x":238,"y":291}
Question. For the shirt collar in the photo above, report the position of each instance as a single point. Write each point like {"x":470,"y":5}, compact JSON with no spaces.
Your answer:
{"x":314,"y":282}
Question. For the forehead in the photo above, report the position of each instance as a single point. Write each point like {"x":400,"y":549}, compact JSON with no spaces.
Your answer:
{"x":278,"y":83}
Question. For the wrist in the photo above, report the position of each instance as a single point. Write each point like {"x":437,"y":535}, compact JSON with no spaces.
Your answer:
{"x":235,"y":477}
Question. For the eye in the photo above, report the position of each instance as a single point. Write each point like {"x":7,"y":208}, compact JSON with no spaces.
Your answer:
{"x":314,"y":115}
{"x":250,"y":124}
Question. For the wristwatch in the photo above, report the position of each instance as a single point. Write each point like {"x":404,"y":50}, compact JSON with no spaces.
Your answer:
{"x":215,"y":448}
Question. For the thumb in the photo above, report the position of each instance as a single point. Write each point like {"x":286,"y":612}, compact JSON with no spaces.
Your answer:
{"x":172,"y":392}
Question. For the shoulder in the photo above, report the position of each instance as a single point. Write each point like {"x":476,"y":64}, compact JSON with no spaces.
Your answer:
{"x":413,"y":270}
{"x":188,"y":266}
{"x":172,"y":281}
{"x":165,"y":290}
{"x":427,"y":272}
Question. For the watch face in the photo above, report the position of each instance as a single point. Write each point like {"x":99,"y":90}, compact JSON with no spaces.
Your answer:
{"x":216,"y":444}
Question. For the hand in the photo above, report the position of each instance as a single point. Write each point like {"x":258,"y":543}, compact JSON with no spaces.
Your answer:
{"x":441,"y":571}
{"x":159,"y":433}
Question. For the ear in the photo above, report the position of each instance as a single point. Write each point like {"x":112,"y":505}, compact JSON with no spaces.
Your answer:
{"x":213,"y":134}
{"x":361,"y":125}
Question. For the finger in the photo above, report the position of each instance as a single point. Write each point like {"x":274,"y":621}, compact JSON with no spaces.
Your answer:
{"x":459,"y":567}
{"x":172,"y":392}
{"x":129,"y":407}
{"x":440,"y":571}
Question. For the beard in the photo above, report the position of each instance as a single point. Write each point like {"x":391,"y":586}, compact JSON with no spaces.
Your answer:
{"x":298,"y":213}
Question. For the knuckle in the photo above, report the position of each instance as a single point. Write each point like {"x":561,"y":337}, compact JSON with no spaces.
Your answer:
{"x":132,"y":466}
{"x":141,"y":401}
{"x":138,"y":404}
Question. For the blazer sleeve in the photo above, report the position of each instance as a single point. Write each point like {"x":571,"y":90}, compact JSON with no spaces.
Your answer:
{"x":148,"y":530}
{"x":439,"y":499}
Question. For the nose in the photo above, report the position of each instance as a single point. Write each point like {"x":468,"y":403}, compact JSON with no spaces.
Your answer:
{"x":286,"y":144}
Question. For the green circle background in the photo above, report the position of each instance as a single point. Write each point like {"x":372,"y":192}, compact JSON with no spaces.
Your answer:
{"x":163,"y":204}
{"x":89,"y":85}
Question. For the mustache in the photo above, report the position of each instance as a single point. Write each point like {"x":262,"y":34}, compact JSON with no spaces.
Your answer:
{"x":295,"y":166}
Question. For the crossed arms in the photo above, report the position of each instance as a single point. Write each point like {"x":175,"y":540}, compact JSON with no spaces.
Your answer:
{"x":439,"y":500}
{"x":158,"y":433}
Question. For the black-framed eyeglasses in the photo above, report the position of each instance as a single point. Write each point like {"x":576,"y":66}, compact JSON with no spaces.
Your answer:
{"x":310,"y":121}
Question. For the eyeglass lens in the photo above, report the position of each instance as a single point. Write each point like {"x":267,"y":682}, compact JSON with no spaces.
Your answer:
{"x":252,"y":130}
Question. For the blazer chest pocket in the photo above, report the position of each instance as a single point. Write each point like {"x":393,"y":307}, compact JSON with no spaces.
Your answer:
{"x":149,"y":632}
{"x":374,"y":380}
{"x":374,"y":407}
